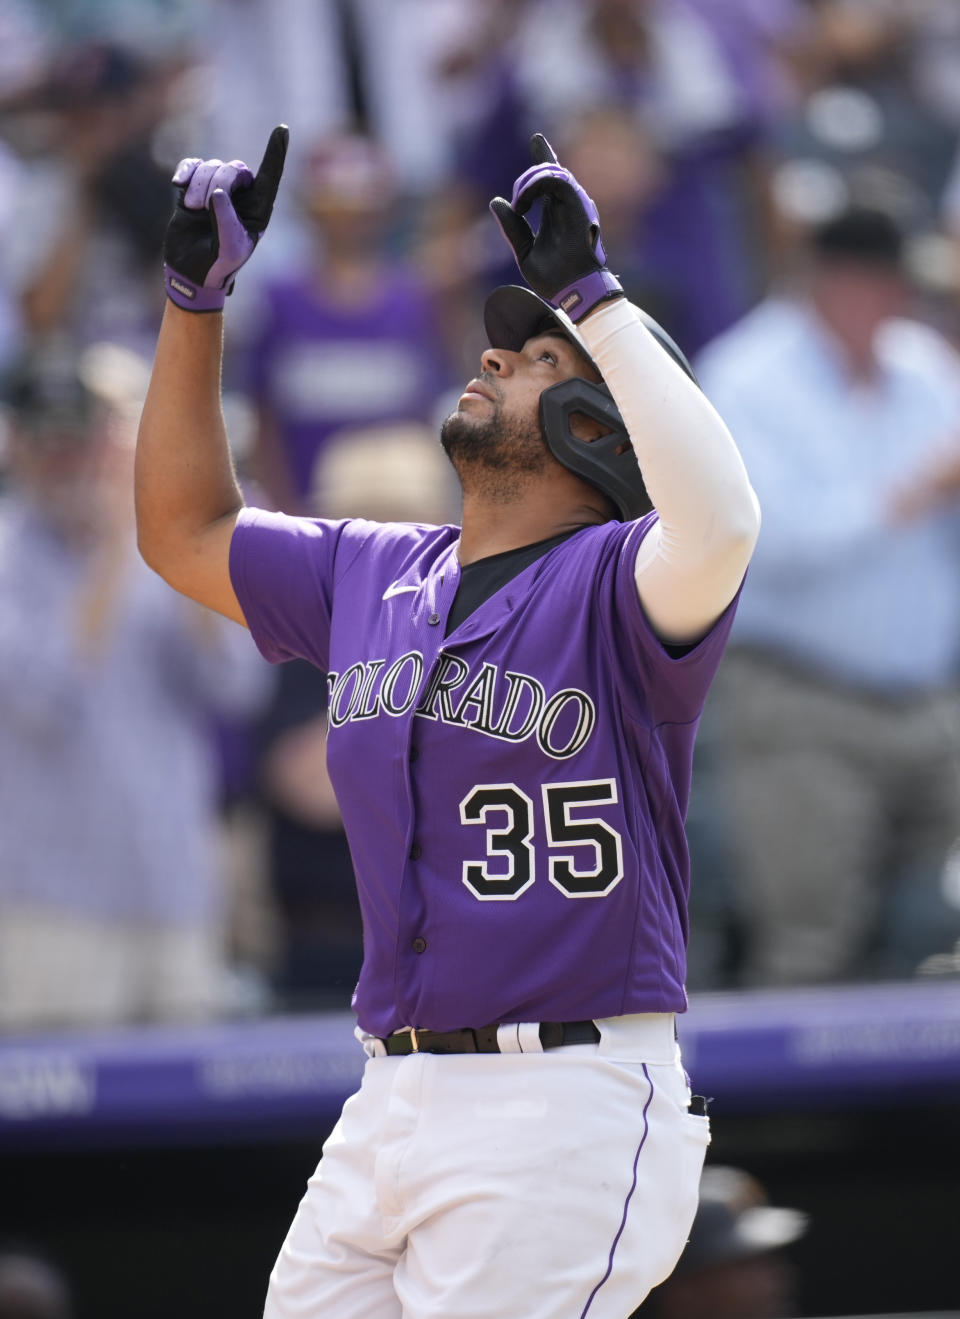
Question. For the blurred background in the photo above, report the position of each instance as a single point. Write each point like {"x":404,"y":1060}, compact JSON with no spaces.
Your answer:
{"x":779,"y":184}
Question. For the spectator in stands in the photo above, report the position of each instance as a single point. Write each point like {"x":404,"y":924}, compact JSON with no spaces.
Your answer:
{"x":659,"y":58}
{"x":81,"y":233}
{"x":698,"y":86}
{"x":756,"y":37}
{"x":878,"y":83}
{"x":31,"y":1287}
{"x":10,"y":325}
{"x":734,"y":1265}
{"x":836,"y":704}
{"x":110,"y":894}
{"x":24,"y":53}
{"x":429,"y":69}
{"x":349,"y":341}
{"x":294,"y":54}
{"x":662,"y":61}
{"x":614,"y":158}
{"x":387,"y":474}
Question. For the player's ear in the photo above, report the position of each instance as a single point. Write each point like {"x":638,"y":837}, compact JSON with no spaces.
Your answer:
{"x":586,"y":428}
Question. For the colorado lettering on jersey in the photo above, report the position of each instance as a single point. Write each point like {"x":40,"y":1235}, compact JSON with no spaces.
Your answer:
{"x":509,"y":706}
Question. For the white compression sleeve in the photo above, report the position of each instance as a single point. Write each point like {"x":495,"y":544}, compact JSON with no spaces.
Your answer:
{"x":691,"y":562}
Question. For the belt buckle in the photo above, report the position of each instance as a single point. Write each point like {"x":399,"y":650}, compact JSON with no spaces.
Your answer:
{"x":414,"y":1042}
{"x":411,"y":1031}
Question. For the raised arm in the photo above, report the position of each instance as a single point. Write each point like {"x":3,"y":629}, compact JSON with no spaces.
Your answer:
{"x":691,"y":563}
{"x":187,"y":495}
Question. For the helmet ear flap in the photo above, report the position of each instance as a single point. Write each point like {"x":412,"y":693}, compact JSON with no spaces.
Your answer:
{"x":608,"y":461}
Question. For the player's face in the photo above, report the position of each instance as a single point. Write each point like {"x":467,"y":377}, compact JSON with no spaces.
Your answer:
{"x":495,"y":432}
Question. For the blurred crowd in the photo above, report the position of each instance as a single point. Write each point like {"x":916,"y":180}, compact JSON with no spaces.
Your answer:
{"x":779,"y":184}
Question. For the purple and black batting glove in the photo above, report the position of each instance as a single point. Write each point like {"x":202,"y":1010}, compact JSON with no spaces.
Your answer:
{"x":222,"y":210}
{"x":564,"y":260}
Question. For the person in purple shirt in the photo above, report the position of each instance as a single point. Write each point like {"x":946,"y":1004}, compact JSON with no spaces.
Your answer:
{"x":348,"y":339}
{"x":512,"y":711}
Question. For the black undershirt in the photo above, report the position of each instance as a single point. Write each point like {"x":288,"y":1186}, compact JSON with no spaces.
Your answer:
{"x":484,"y":577}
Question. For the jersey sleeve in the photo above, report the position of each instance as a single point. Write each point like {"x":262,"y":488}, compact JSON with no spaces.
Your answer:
{"x":282,"y":569}
{"x":663,"y":684}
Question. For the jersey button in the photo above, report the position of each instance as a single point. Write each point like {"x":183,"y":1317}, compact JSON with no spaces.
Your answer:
{"x":416,"y":852}
{"x":414,"y":752}
{"x":433,"y":620}
{"x":419,"y":945}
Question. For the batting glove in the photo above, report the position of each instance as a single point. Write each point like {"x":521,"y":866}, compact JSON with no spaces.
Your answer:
{"x":564,"y":261}
{"x":221,"y":213}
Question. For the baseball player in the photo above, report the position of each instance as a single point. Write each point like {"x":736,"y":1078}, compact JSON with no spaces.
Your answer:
{"x":512,"y":712}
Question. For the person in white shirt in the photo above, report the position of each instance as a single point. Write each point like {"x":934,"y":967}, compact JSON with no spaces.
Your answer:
{"x":837,"y":699}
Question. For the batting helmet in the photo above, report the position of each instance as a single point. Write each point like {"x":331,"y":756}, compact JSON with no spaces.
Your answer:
{"x":511,"y":316}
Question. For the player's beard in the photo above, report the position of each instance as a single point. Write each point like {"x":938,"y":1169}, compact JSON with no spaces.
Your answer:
{"x":495,"y":457}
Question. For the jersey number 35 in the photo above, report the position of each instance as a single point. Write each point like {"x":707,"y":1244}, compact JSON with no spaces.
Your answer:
{"x":508,"y":815}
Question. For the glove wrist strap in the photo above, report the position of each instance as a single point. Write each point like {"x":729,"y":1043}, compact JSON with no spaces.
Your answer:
{"x":190,"y":296}
{"x":583,"y":294}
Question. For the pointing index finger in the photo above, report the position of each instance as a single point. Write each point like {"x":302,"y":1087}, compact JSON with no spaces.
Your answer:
{"x":541,"y":152}
{"x":271,"y":166}
{"x":254,"y":205}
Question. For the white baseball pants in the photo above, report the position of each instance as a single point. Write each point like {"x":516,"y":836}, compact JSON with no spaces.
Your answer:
{"x":547,"y":1185}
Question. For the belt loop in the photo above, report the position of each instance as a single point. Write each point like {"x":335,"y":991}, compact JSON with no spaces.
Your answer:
{"x":528,"y":1036}
{"x":413,"y":1039}
{"x":508,"y":1038}
{"x":640,"y":1037}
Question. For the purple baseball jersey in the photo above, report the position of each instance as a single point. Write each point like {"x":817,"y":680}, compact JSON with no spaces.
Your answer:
{"x":513,"y":793}
{"x":321,"y":366}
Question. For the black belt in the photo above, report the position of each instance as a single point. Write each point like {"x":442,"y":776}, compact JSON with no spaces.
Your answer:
{"x":484,"y":1039}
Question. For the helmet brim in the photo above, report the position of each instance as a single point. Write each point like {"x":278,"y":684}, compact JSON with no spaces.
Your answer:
{"x":513,"y":314}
